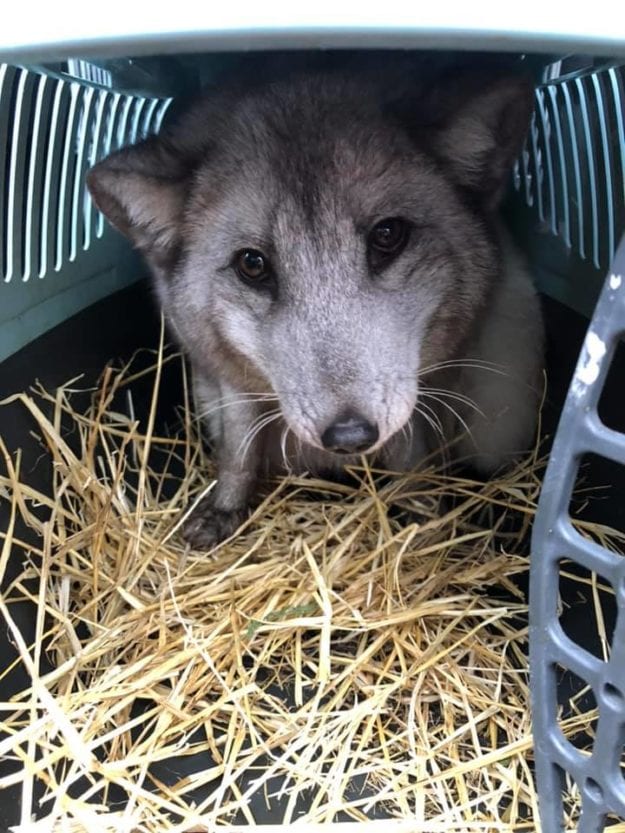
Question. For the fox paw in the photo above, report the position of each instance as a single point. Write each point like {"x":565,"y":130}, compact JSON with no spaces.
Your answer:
{"x":208,"y":525}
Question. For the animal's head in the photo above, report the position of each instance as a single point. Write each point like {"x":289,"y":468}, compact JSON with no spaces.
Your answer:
{"x":323,"y":241}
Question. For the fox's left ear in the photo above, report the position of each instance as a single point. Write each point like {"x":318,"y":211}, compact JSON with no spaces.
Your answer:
{"x":482,"y":135}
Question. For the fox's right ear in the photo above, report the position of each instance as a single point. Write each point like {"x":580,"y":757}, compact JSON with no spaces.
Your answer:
{"x":141,"y":190}
{"x":483,"y":135}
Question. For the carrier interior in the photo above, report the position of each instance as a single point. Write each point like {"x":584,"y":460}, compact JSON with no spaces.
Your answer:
{"x":81,"y":297}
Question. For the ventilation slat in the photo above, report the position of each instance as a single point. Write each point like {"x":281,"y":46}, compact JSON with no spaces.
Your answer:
{"x":65,"y":184}
{"x":160,"y":115}
{"x":7,"y":79}
{"x":109,"y":134}
{"x":138,"y":106}
{"x":573,"y":144}
{"x":602,"y":116}
{"x":545,"y":132}
{"x":34,"y":189}
{"x":89,"y":209}
{"x":148,"y":117}
{"x":618,"y":102}
{"x":17,"y":173}
{"x":565,"y":228}
{"x":107,"y":143}
{"x":537,"y":165}
{"x":591,"y":169}
{"x":49,"y":204}
{"x":82,"y":138}
{"x":121,"y":136}
{"x":111,"y":123}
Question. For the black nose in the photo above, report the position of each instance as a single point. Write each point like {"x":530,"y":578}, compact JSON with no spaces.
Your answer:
{"x":350,"y":434}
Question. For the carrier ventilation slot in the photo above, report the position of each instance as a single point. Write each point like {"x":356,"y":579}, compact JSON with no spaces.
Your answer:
{"x":52,"y":131}
{"x":572,"y":168}
{"x":91,"y":73}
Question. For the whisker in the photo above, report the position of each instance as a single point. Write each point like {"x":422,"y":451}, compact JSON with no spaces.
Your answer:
{"x":226,"y":402}
{"x":473,"y":359}
{"x":459,"y":397}
{"x":431,"y":417}
{"x":265,"y":420}
{"x":283,"y":438}
{"x":250,"y":437}
{"x":255,"y":428}
{"x":298,"y":442}
{"x":454,"y":412}
{"x":408,"y":431}
{"x":476,"y":364}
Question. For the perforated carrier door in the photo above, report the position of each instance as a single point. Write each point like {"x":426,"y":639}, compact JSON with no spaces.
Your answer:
{"x":597,"y":776}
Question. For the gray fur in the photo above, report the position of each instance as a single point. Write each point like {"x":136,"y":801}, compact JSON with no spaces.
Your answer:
{"x":302,"y":169}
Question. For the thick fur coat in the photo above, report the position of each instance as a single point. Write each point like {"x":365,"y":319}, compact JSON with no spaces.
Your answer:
{"x":326,"y":249}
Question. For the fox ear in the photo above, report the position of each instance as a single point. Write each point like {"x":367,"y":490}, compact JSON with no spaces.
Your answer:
{"x":141,"y":190}
{"x":483,"y":134}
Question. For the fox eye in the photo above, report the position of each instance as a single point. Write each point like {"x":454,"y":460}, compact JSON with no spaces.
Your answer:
{"x":387,"y":239}
{"x":252,"y":267}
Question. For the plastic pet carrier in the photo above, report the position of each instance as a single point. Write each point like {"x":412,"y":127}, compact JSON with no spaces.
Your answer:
{"x":71,"y":299}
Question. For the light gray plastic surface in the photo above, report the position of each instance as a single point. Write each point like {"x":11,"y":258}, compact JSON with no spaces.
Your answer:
{"x":73,"y":29}
{"x":598,"y":776}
